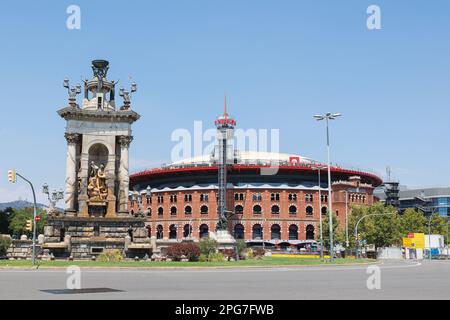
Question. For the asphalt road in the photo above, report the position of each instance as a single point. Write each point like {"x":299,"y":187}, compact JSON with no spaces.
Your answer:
{"x":399,"y":280}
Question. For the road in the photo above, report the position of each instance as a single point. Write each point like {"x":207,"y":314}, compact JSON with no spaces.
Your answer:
{"x":399,"y":280}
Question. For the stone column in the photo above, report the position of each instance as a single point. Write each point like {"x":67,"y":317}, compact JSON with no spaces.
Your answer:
{"x":124,"y":179}
{"x":71,"y":172}
{"x":110,"y":184}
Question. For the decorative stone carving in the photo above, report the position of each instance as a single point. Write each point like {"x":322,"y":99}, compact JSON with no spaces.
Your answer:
{"x":97,"y":190}
{"x":72,"y":138}
{"x":125,"y":141}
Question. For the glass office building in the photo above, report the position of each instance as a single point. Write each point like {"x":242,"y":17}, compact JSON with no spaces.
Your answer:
{"x":436,"y":199}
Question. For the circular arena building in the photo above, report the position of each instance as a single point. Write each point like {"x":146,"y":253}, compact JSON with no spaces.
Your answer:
{"x":271,"y":197}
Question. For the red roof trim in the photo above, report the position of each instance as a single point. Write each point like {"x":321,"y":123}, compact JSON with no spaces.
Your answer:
{"x":242,"y":167}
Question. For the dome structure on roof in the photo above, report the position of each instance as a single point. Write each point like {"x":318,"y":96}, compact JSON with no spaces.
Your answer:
{"x":249,"y":157}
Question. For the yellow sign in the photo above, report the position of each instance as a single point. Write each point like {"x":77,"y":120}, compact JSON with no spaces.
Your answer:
{"x":415,"y":241}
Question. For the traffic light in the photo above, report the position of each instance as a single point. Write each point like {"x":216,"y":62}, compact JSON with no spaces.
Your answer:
{"x":29,"y":226}
{"x":11,"y":176}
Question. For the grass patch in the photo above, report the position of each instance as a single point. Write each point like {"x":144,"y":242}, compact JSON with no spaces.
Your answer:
{"x":266,"y":261}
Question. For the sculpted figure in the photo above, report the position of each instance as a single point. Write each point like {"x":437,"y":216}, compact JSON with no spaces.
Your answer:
{"x":97,"y":190}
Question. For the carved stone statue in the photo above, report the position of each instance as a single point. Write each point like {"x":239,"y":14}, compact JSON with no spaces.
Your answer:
{"x":97,"y":190}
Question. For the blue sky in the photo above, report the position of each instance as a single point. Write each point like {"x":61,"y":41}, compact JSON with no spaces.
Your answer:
{"x":280,"y":62}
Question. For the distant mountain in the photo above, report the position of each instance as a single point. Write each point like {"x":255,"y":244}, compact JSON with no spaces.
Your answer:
{"x":20,"y":204}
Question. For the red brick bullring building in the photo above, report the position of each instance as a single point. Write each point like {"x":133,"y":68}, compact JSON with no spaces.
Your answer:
{"x":180,"y":200}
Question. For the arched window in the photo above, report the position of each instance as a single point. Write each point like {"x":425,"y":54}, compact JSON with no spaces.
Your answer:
{"x":172,"y":231}
{"x":187,"y":210}
{"x":293,"y":232}
{"x":149,"y":231}
{"x":275,"y":232}
{"x":257,"y":232}
{"x":173,"y":211}
{"x":275,"y":209}
{"x":324,"y":210}
{"x":204,"y":231}
{"x":132,"y":212}
{"x":204,"y":209}
{"x":309,"y":232}
{"x":257,"y":209}
{"x":292,"y":210}
{"x":309,"y":210}
{"x":239,"y":209}
{"x":149,"y":212}
{"x":160,"y":211}
{"x":159,"y":232}
{"x":187,"y":230}
{"x":239,"y":231}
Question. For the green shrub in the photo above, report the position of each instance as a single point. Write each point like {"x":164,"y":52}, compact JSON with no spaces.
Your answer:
{"x":202,"y":258}
{"x":114,"y":255}
{"x":208,"y":246}
{"x":216,"y":257}
{"x":4,"y":245}
{"x":259,"y":252}
{"x":249,"y":254}
{"x":188,"y":249}
{"x":240,"y":246}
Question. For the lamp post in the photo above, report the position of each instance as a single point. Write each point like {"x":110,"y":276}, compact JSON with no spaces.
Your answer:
{"x":427,"y":208}
{"x":318,"y":168}
{"x":346,"y":219}
{"x":53,"y":197}
{"x":329,"y":116}
{"x":429,"y":235}
{"x":148,"y":195}
{"x":357,"y":223}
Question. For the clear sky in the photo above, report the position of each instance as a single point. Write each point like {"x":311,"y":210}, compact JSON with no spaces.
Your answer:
{"x":280,"y":63}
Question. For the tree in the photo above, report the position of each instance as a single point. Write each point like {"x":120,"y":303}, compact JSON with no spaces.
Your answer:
{"x":326,"y":230}
{"x":5,"y":217}
{"x":386,"y":229}
{"x":19,"y":219}
{"x":439,"y":225}
{"x":380,"y":227}
{"x":413,"y":221}
{"x":365,"y":226}
{"x":208,"y":246}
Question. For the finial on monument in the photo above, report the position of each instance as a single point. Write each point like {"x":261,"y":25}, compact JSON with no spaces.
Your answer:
{"x":100,"y":69}
{"x":72,"y":91}
{"x":126,"y":95}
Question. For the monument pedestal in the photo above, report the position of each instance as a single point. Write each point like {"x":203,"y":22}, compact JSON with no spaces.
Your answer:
{"x":224,"y":239}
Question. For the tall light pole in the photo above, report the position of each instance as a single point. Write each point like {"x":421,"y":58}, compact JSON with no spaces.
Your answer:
{"x":318,"y":168}
{"x":346,"y":219}
{"x":429,"y":236}
{"x":329,"y":116}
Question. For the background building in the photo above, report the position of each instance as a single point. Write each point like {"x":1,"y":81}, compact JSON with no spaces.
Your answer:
{"x":180,"y":200}
{"x":437,"y":200}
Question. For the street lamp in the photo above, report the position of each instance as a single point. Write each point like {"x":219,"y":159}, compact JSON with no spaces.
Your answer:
{"x":357,"y":223}
{"x":329,"y":116}
{"x":318,"y":168}
{"x":346,"y":218}
{"x":427,"y":208}
{"x":148,"y":195}
{"x":53,"y":197}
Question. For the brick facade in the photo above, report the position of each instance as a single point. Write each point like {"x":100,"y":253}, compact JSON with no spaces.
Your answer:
{"x":306,"y":211}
